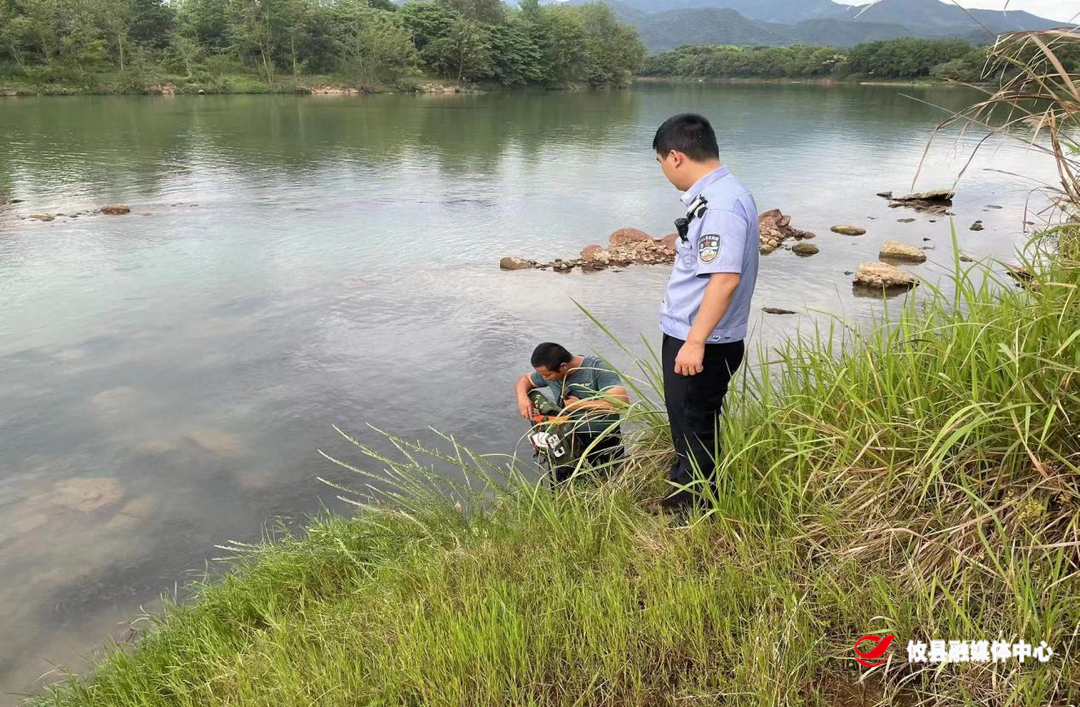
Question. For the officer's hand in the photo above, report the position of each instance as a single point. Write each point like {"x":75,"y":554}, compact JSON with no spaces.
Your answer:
{"x":525,"y":408}
{"x":569,"y":400}
{"x":688,"y":362}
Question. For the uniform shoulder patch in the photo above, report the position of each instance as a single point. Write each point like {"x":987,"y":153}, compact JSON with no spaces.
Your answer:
{"x":708,"y":247}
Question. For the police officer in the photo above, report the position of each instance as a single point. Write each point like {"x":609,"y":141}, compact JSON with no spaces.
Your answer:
{"x":707,"y":301}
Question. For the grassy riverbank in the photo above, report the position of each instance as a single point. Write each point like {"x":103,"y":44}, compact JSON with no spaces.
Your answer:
{"x":925,"y":482}
{"x":112,"y":83}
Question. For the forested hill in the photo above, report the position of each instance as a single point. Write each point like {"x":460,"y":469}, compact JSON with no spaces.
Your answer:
{"x":909,"y":58}
{"x":287,"y":45}
{"x":230,"y":45}
{"x":666,"y":24}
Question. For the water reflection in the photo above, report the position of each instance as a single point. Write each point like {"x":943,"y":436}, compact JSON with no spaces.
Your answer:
{"x":166,"y":378}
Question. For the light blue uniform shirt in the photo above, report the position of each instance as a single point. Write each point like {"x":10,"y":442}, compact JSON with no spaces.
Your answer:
{"x":723,"y":240}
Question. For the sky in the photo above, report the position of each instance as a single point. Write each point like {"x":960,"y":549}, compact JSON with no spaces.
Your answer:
{"x":1053,"y":9}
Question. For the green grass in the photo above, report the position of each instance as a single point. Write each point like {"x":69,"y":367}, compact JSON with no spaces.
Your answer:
{"x":919,"y":477}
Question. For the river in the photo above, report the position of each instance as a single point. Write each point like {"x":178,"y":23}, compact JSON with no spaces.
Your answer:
{"x":290,"y":263}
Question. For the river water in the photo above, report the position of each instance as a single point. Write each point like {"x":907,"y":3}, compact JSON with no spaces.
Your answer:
{"x":166,"y":377}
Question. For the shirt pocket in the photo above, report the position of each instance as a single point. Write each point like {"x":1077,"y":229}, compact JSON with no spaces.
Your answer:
{"x":685,"y":254}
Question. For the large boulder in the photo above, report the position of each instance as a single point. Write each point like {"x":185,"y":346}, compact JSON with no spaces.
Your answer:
{"x":804,"y":249}
{"x":895,"y":250}
{"x":882,"y":275}
{"x":116,"y":209}
{"x":593,"y":253}
{"x":773,"y":219}
{"x":512,"y":263}
{"x":774,"y":228}
{"x":849,"y":230}
{"x":628,"y":235}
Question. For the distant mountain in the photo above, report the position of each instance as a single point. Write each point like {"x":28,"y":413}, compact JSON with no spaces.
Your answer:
{"x":667,"y":30}
{"x":846,"y":33}
{"x":946,"y":18}
{"x":781,"y":11}
{"x":666,"y":24}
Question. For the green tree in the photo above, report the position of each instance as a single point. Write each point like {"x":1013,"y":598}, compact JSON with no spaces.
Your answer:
{"x":268,"y":33}
{"x":427,"y":23}
{"x":613,"y":52}
{"x":152,"y":23}
{"x":14,"y":33}
{"x":516,"y":59}
{"x":206,"y":22}
{"x":371,"y":46}
{"x":483,"y":11}
{"x":560,"y":35}
{"x":465,"y":53}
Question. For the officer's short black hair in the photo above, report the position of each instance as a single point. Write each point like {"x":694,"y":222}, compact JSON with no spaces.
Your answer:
{"x":550,"y":356}
{"x":688,"y":133}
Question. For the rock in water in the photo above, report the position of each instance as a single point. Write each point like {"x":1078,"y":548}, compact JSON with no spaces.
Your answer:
{"x":87,"y":494}
{"x":116,"y":209}
{"x":1023,"y":276}
{"x":937,"y":201}
{"x":905,"y":220}
{"x":882,"y":275}
{"x":628,"y":235}
{"x":774,"y":228}
{"x":804,"y":249}
{"x":42,"y":217}
{"x":848,"y":230}
{"x":977,"y":226}
{"x":511,"y":263}
{"x":895,"y":250}
{"x":594,"y":254}
{"x":777,"y":310}
{"x":940,"y":196}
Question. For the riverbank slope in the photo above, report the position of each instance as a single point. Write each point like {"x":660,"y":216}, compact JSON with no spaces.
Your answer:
{"x":920,"y":480}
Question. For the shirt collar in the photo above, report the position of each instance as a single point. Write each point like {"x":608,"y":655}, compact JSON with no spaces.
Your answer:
{"x":699,"y":186}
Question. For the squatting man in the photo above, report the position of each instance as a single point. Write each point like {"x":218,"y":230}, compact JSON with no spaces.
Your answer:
{"x":703,"y":318}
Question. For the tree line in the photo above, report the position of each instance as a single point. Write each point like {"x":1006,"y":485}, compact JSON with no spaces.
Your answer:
{"x":905,"y":58}
{"x":367,"y":43}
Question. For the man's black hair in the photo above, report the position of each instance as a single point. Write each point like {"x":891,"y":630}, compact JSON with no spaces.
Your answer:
{"x":550,"y":356}
{"x":688,"y":133}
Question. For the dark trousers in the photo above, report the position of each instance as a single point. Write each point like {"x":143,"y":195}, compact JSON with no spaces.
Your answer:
{"x":693,"y":405}
{"x":608,"y":449}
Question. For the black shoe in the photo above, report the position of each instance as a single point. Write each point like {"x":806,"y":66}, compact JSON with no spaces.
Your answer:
{"x":678,"y":501}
